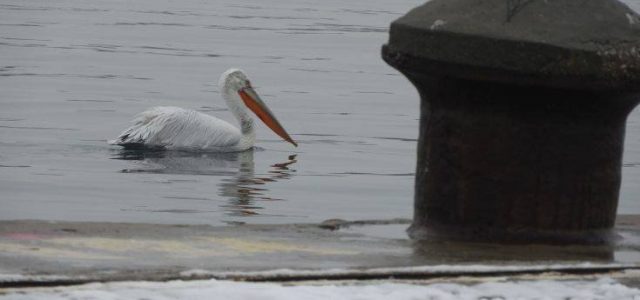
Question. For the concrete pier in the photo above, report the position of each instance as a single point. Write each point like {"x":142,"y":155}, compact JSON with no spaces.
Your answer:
{"x":38,"y":253}
{"x":524,"y":105}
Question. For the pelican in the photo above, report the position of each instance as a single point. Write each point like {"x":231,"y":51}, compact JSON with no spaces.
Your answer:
{"x":175,"y":128}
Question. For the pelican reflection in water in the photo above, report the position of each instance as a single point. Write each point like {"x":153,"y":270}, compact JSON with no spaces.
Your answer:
{"x":241,"y":187}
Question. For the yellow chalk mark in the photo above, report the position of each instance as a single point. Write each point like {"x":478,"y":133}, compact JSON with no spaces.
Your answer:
{"x":51,"y":252}
{"x":102,"y":248}
{"x":164,"y":247}
{"x":248,"y":246}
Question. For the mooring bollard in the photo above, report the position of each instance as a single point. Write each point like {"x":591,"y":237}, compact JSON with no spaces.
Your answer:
{"x":523,"y":114}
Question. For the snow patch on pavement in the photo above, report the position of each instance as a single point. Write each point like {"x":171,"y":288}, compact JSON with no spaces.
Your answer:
{"x":604,"y":288}
{"x":434,"y":269}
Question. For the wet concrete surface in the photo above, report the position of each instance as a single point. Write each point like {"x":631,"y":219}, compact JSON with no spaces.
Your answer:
{"x":36,"y":253}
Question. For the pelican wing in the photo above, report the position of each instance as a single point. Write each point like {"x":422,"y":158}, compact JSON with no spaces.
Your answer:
{"x":177,"y":128}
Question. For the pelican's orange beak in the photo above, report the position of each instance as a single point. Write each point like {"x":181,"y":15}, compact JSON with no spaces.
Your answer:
{"x":253,"y":102}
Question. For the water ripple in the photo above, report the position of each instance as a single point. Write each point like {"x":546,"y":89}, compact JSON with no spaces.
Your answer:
{"x":100,"y":76}
{"x":20,"y":25}
{"x":37,"y":128}
{"x":89,"y":100}
{"x":148,"y":24}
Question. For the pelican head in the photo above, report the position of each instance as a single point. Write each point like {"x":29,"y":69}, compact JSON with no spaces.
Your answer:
{"x":237,"y":87}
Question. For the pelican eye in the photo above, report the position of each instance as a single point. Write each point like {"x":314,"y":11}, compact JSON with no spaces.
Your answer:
{"x":248,"y":83}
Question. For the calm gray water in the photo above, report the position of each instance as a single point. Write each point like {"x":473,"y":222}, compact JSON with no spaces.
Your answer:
{"x":74,"y":72}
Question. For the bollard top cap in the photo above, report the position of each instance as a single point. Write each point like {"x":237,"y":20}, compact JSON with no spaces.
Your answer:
{"x":568,"y":43}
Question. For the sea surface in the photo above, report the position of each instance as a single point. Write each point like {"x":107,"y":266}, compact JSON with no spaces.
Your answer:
{"x":73,"y":73}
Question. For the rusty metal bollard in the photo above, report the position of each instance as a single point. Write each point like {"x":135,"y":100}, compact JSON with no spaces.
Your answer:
{"x":523,"y":111}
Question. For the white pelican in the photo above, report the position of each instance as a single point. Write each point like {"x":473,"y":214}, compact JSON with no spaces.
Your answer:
{"x":176,"y":128}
